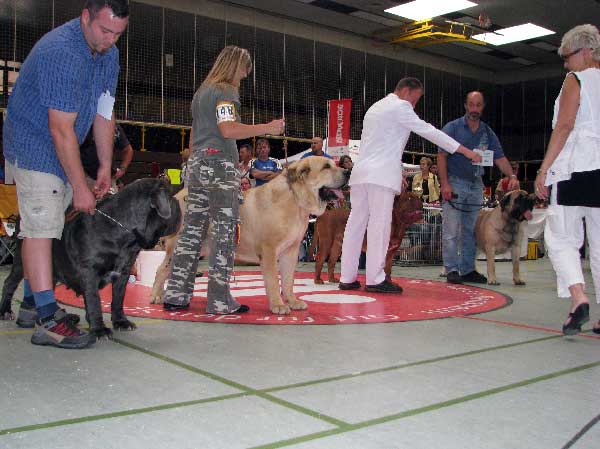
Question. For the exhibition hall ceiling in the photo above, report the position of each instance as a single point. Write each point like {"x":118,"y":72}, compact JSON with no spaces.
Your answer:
{"x":369,"y":19}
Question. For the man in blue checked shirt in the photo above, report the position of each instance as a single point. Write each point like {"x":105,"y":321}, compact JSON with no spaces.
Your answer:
{"x":66,"y":85}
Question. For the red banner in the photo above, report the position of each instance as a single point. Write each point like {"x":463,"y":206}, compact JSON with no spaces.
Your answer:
{"x":339,"y":123}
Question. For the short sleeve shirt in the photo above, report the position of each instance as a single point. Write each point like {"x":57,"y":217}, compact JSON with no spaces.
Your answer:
{"x":211,"y":106}
{"x":270,"y":164}
{"x":483,"y":138}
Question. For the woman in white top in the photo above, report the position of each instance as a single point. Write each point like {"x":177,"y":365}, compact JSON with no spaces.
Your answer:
{"x":571,"y":168}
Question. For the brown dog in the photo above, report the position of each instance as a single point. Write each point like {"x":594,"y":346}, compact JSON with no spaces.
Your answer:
{"x":329,"y":234}
{"x":501,"y":228}
{"x":274,"y":218}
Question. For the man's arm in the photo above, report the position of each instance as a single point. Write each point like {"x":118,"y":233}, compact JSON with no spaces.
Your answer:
{"x":504,"y":166}
{"x":104,"y":133}
{"x":446,"y":188}
{"x":61,"y":126}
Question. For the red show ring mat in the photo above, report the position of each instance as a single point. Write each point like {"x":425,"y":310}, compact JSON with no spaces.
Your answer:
{"x":421,"y":300}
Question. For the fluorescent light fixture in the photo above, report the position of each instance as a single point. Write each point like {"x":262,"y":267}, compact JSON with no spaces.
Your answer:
{"x":427,"y":9}
{"x":513,"y":34}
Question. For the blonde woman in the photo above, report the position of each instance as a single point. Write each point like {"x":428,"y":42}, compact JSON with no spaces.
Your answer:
{"x":571,"y":168}
{"x":429,"y":191}
{"x":213,"y":183}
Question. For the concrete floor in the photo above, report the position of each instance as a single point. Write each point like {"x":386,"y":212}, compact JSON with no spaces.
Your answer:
{"x":504,"y":379}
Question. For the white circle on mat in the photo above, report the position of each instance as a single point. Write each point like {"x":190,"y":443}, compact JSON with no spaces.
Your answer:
{"x":337,"y":299}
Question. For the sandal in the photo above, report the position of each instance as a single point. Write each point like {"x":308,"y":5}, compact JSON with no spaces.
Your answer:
{"x":577,"y":318}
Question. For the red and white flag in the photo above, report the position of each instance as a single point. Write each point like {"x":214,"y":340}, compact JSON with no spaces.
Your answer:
{"x":338,"y":135}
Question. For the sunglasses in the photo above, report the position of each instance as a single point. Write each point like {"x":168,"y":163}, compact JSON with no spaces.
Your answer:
{"x":568,"y":55}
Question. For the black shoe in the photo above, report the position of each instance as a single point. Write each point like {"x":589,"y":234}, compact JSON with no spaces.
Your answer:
{"x":384,"y":287}
{"x":474,"y":278}
{"x":242,"y":309}
{"x":349,"y":286}
{"x":596,"y":328}
{"x":580,"y":316}
{"x":454,"y":278}
{"x":175,"y":307}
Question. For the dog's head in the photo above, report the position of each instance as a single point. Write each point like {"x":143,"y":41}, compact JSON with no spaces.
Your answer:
{"x":147,"y":208}
{"x":408,"y":208}
{"x":316,"y":180}
{"x":518,"y":204}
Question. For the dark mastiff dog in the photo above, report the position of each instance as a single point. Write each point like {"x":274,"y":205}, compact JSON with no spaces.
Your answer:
{"x":96,"y":250}
{"x":501,"y":228}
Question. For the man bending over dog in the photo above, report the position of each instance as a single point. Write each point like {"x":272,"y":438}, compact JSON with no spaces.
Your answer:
{"x":377,"y":177}
{"x":66,"y":84}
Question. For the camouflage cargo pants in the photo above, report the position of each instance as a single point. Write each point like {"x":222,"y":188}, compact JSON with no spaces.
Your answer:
{"x":213,"y":187}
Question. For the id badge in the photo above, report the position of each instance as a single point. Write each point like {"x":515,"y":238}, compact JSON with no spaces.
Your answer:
{"x":105,"y":105}
{"x":487,"y":158}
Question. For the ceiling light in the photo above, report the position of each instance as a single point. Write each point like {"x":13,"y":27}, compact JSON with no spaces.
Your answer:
{"x":513,"y":34}
{"x":427,"y":9}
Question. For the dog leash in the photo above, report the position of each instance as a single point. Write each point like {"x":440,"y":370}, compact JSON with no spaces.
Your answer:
{"x":111,"y":219}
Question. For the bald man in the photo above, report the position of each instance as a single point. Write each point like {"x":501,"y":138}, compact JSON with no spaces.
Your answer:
{"x":316,"y":148}
{"x":462,"y":189}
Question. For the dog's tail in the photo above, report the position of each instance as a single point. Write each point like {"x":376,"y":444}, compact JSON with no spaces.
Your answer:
{"x":314,"y":244}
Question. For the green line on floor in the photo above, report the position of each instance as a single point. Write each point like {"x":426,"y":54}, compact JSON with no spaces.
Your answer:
{"x":429,"y":408}
{"x":244,"y":388}
{"x":66,"y":422}
{"x":407,"y":365}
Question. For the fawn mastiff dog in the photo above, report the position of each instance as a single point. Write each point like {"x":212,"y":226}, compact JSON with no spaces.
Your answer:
{"x":96,"y":250}
{"x":501,"y":228}
{"x":274,"y":218}
{"x":329,"y":234}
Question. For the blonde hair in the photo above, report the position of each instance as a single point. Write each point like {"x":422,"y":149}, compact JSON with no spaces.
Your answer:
{"x":227,"y":66}
{"x":428,"y":160}
{"x":582,"y":36}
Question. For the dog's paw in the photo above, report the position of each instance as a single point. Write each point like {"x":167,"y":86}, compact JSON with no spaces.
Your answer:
{"x":7,"y":315}
{"x":124,"y":325}
{"x":519,"y":282}
{"x":103,"y":333}
{"x":282,"y":309}
{"x":319,"y":281}
{"x":298,"y":305}
{"x":493,"y":282}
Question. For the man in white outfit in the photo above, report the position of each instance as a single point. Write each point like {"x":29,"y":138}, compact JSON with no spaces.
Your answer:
{"x":377,"y":177}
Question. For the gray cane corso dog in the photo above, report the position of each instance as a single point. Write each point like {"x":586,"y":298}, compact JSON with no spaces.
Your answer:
{"x":95,"y":250}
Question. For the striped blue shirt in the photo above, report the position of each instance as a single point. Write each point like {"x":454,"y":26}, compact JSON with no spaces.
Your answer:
{"x":59,"y":73}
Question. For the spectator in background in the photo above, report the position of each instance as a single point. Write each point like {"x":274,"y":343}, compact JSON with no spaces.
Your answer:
{"x":434,"y":169}
{"x":245,"y":184}
{"x":502,"y":187}
{"x":264,"y":168}
{"x":316,"y":149}
{"x":245,"y":155}
{"x":346,"y":162}
{"x":91,"y":163}
{"x":425,"y":184}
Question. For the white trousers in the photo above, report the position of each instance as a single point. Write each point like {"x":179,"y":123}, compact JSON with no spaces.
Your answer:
{"x":371,"y":210}
{"x":563,"y":234}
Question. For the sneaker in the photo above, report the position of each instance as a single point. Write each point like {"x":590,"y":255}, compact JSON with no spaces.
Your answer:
{"x":454,"y":278}
{"x":384,"y":287}
{"x":60,"y":331}
{"x":474,"y":277}
{"x":28,"y":315}
{"x":349,"y":285}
